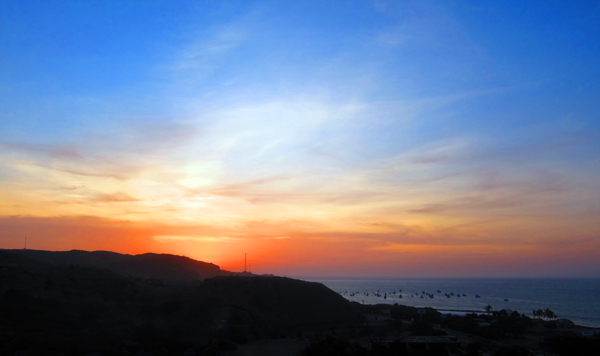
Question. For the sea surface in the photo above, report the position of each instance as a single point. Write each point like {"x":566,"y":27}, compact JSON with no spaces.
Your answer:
{"x":575,"y":299}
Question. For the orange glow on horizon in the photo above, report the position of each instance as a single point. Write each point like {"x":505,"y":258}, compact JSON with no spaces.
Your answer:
{"x":299,"y":253}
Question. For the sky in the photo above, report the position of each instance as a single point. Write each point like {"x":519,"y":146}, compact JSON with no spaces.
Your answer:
{"x":322,"y":138}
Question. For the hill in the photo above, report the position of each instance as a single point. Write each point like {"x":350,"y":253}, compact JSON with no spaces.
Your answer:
{"x":277,"y":305}
{"x":79,"y":302}
{"x":148,"y":265}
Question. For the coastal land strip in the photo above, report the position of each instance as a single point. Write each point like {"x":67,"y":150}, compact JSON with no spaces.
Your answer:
{"x":104,"y":303}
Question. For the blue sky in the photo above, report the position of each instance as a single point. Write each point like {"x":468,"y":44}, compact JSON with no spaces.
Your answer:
{"x":417,"y":123}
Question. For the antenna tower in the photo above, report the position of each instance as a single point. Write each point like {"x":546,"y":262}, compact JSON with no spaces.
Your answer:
{"x":245,"y":262}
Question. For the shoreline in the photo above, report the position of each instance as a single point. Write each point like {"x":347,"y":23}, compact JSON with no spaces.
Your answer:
{"x":481,"y":312}
{"x":568,"y":298}
{"x":468,"y":311}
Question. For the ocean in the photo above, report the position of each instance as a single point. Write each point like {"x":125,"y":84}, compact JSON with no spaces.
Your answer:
{"x":575,"y":299}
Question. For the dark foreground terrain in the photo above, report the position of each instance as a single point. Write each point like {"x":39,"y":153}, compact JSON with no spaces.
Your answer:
{"x":102,"y":303}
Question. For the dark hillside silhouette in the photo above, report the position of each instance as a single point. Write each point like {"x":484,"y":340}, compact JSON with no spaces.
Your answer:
{"x":79,"y":302}
{"x":148,"y":265}
{"x":277,"y":305}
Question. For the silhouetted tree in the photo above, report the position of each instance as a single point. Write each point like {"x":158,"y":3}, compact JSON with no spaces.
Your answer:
{"x":540,"y":313}
{"x":549,"y":314}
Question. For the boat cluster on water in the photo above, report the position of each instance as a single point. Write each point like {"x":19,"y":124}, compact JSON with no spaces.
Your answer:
{"x":376,"y":294}
{"x":398,"y":294}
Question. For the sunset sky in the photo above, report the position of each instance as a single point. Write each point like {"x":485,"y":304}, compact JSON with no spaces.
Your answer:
{"x":331,"y":138}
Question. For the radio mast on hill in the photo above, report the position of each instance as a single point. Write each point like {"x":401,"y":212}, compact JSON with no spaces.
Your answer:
{"x":245,"y":263}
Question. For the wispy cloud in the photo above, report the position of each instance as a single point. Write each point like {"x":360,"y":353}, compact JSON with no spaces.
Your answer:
{"x":175,"y":238}
{"x":208,"y":46}
{"x":52,"y":151}
{"x":116,"y":197}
